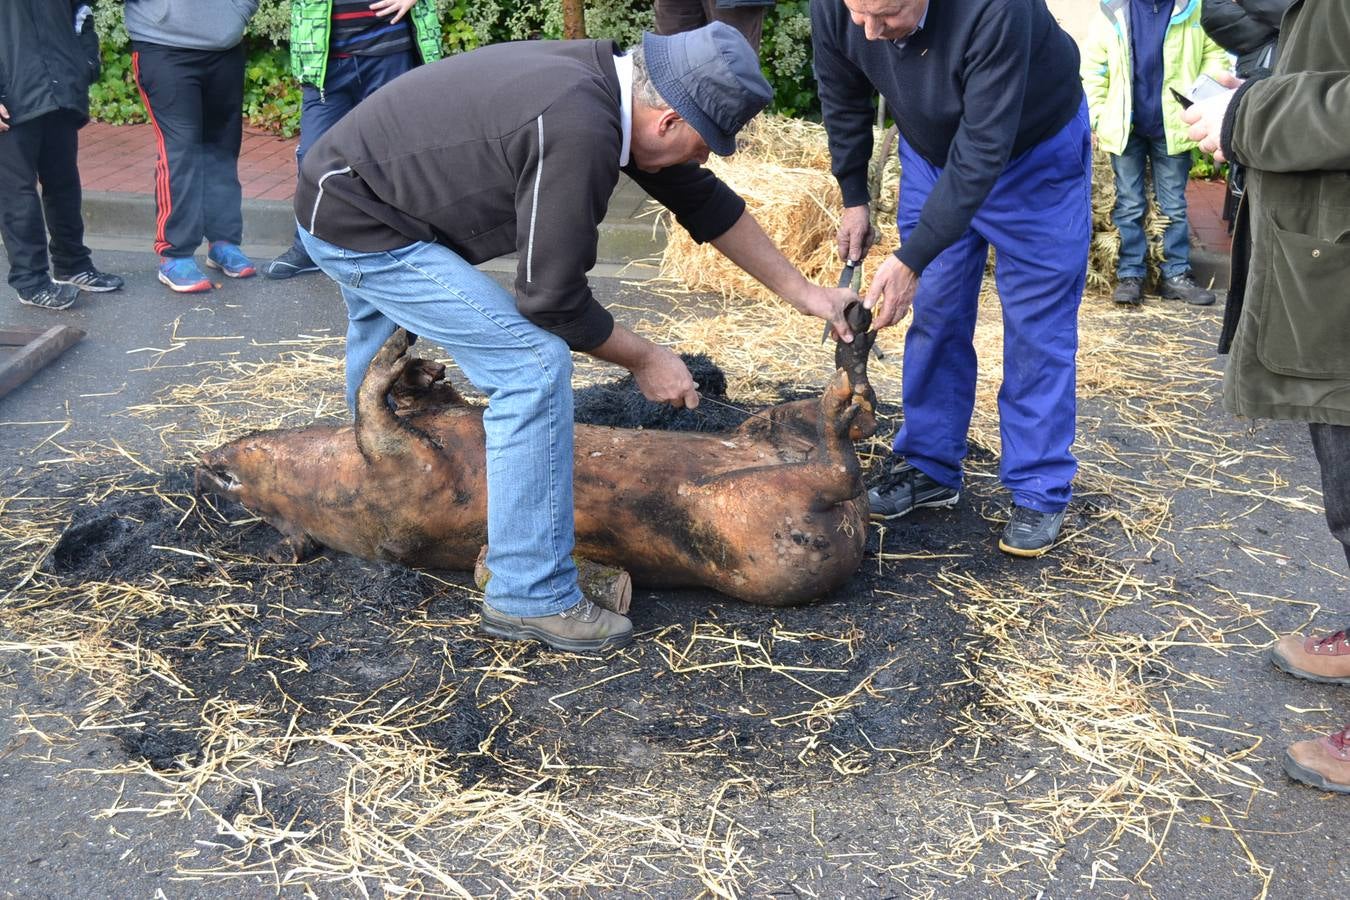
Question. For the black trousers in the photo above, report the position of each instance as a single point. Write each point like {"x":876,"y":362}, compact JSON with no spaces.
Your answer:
{"x":195,"y":102}
{"x":1331,"y":443}
{"x":675,"y":16}
{"x":42,"y":150}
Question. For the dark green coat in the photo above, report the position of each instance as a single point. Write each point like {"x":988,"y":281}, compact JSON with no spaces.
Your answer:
{"x":1290,"y":357}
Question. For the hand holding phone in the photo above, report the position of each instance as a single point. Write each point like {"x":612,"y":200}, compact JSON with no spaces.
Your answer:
{"x":1204,"y":87}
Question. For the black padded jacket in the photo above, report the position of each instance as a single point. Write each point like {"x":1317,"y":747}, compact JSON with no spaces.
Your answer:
{"x":1247,"y":29}
{"x":44,"y":65}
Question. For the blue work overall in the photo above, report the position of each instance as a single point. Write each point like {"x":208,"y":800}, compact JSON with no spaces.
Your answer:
{"x":1038,"y":218}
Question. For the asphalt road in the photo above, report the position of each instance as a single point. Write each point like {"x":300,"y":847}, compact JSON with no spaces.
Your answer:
{"x":144,"y":339}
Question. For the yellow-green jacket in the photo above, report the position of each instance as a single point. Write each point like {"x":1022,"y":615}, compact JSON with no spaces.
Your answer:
{"x":1107,"y":77}
{"x":311,"y":21}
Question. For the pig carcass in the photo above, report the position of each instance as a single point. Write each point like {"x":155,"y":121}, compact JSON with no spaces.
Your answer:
{"x":773,"y":512}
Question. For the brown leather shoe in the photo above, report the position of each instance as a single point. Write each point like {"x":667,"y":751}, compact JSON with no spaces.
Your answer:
{"x":581,"y":629}
{"x":1324,"y":658}
{"x":1323,"y":763}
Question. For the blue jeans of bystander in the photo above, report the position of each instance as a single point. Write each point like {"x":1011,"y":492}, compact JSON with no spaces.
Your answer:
{"x":526,"y":374}
{"x":1170,"y":173}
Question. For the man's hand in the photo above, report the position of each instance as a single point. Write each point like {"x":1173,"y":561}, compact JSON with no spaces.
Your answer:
{"x":855,"y":233}
{"x":398,"y":8}
{"x":828,"y":303}
{"x":1206,"y":118}
{"x":663,"y":378}
{"x":4,"y":119}
{"x":660,"y":374}
{"x":891,"y":292}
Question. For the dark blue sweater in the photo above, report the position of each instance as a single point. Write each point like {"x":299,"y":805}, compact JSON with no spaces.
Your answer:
{"x":982,"y":82}
{"x":1148,"y":30}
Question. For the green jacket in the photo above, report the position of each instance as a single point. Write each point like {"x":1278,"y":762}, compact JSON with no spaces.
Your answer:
{"x":1187,"y":52}
{"x":311,"y":21}
{"x":1290,"y":356}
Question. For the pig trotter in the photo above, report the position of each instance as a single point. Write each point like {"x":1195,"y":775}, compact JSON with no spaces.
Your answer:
{"x":292,"y":549}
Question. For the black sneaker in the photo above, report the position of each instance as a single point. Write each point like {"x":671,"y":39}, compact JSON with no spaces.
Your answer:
{"x":1030,"y":533}
{"x":92,"y":280}
{"x":1183,"y":287}
{"x":289,"y":264}
{"x":1129,"y":291}
{"x":903,"y":489}
{"x":51,"y":296}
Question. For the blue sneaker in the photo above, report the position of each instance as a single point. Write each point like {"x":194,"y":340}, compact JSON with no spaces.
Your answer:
{"x":1030,"y":533}
{"x":181,"y":274}
{"x":229,"y":259}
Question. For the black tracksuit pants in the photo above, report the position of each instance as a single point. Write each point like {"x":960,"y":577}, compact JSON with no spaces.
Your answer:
{"x":1331,"y":444}
{"x":42,"y":150}
{"x":195,"y":102}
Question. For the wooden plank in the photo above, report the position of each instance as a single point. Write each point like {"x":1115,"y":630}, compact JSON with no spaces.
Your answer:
{"x":36,"y":353}
{"x":17,"y":337}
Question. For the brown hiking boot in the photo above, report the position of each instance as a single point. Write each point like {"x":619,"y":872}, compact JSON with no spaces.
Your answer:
{"x":1323,"y":763}
{"x":583,"y":628}
{"x":1325,"y":659}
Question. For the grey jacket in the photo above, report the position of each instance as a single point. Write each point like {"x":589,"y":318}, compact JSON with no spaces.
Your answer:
{"x":189,"y":24}
{"x":1290,"y":355}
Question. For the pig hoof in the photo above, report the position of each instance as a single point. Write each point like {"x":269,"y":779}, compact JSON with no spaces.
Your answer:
{"x":291,"y":550}
{"x":423,"y":387}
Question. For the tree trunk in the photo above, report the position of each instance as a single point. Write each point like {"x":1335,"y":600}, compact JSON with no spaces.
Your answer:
{"x":574,"y":19}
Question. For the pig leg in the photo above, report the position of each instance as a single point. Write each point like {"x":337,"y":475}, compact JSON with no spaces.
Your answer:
{"x":384,"y":438}
{"x":852,"y":358}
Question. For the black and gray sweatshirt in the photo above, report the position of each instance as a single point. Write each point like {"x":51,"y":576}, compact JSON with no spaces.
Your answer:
{"x":510,"y":147}
{"x":980,"y":83}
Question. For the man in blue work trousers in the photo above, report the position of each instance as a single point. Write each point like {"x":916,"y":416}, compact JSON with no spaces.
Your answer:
{"x":995,"y":150}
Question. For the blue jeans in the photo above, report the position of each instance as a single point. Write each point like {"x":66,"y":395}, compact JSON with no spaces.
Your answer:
{"x":1038,"y":217}
{"x":348,"y":81}
{"x":526,"y":374}
{"x":1169,"y":188}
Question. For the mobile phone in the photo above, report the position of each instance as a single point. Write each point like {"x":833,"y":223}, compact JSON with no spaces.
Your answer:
{"x":1204,"y":88}
{"x":1181,"y":98}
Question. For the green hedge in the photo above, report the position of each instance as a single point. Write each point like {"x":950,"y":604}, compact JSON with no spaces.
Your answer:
{"x":272,"y":98}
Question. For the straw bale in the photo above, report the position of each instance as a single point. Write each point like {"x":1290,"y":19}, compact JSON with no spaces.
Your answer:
{"x":782,"y":169}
